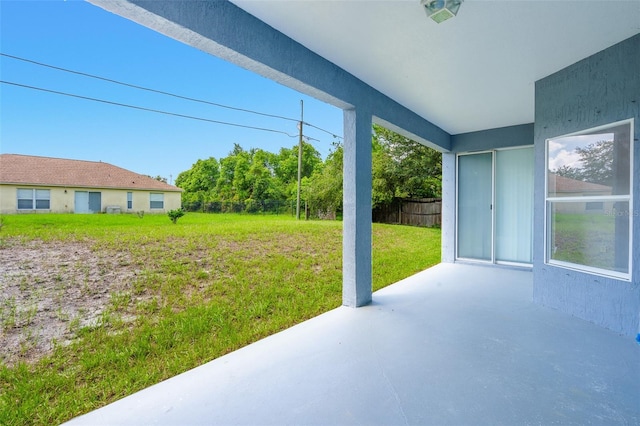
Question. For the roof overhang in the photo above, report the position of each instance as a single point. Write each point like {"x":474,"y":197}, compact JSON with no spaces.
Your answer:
{"x":472,"y":72}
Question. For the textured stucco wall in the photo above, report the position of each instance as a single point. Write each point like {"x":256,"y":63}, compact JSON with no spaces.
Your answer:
{"x":63,"y":199}
{"x":60,"y":201}
{"x":504,"y":137}
{"x":598,"y":90}
{"x":356,"y":247}
{"x":448,"y":212}
{"x":7,"y":200}
{"x":141,"y":200}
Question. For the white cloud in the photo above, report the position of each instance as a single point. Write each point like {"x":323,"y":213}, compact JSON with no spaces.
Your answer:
{"x":564,"y":158}
{"x":562,"y":150}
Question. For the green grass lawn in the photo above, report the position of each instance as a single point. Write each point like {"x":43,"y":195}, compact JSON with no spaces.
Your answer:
{"x":203,"y":287}
{"x":585,"y":239}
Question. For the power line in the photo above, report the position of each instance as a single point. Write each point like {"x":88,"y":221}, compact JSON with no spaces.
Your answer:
{"x":146,"y":88}
{"x":323,"y":130}
{"x":147,"y":109}
{"x":134,"y":86}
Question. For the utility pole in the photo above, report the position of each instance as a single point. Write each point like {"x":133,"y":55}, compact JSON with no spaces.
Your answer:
{"x":300,"y":159}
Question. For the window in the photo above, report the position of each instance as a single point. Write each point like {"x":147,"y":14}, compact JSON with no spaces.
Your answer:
{"x":595,"y":206}
{"x":129,"y":200}
{"x":588,"y":200}
{"x":34,"y":199}
{"x":157,"y":200}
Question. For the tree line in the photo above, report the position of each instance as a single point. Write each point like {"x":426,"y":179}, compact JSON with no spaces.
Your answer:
{"x":256,"y":180}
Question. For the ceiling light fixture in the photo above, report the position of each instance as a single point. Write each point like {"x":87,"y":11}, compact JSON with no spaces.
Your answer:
{"x":441,"y":10}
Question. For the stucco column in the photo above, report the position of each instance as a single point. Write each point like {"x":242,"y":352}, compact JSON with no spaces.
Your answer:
{"x":356,"y":231}
{"x":448,"y":211}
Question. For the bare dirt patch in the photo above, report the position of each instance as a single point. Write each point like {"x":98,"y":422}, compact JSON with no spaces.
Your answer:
{"x":50,"y":290}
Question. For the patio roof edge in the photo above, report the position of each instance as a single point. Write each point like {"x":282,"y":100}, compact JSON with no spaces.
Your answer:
{"x":228,"y":32}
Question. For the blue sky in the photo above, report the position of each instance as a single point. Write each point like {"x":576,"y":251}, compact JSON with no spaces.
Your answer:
{"x":82,"y":37}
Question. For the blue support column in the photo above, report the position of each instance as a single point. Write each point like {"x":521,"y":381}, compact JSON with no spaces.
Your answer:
{"x":356,"y":257}
{"x":448,"y":212}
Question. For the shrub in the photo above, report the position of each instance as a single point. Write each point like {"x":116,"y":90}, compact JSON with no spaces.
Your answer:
{"x":176,"y":214}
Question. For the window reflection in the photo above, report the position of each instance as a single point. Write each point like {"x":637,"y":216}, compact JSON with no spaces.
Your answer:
{"x":591,"y":164}
{"x":591,"y":237}
{"x":589,"y":202}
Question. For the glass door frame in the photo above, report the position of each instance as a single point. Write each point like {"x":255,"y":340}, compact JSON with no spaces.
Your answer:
{"x":493,"y":172}
{"x":493,"y":209}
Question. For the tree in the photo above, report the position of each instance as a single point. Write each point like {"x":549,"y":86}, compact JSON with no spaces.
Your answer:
{"x":202,"y":176}
{"x":240,"y":182}
{"x":569,"y":172}
{"x":383,"y":171}
{"x":158,"y":178}
{"x":400,"y":168}
{"x":323,"y":190}
{"x":286,"y":167}
{"x":259,"y":177}
{"x":199,"y":182}
{"x":417,"y":169}
{"x":224,"y":184}
{"x":596,"y":164}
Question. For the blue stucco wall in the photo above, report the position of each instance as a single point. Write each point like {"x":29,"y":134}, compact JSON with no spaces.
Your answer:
{"x":503,"y":137}
{"x":598,"y":90}
{"x":448,"y":212}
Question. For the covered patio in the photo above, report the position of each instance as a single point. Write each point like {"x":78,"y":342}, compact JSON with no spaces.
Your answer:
{"x":459,"y":343}
{"x":455,"y":344}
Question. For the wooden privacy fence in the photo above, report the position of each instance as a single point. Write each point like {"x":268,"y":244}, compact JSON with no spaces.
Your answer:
{"x":417,"y":212}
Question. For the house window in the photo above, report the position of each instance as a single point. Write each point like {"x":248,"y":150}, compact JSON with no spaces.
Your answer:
{"x":34,"y":199}
{"x":129,"y":200}
{"x":588,"y":200}
{"x":157,"y":200}
{"x":595,"y":206}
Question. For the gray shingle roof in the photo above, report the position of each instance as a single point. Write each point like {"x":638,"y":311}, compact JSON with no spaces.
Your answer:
{"x":32,"y":170}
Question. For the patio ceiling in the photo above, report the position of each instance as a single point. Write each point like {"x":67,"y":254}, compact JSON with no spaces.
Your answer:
{"x":473,"y":72}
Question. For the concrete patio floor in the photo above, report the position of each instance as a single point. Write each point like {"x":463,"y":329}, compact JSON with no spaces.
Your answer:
{"x":453,"y":345}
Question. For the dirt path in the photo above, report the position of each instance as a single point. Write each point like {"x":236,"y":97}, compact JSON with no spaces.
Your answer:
{"x":48,"y":291}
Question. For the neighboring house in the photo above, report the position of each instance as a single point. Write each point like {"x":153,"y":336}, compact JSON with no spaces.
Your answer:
{"x":563,"y":186}
{"x":575,"y":188}
{"x":494,"y":89}
{"x":30,"y":184}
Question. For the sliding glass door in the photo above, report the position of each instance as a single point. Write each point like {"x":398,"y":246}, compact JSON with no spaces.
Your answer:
{"x":475,"y":197}
{"x":495,"y":206}
{"x":514,"y":205}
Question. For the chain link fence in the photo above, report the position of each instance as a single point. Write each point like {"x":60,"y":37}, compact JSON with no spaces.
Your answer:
{"x":249,"y":206}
